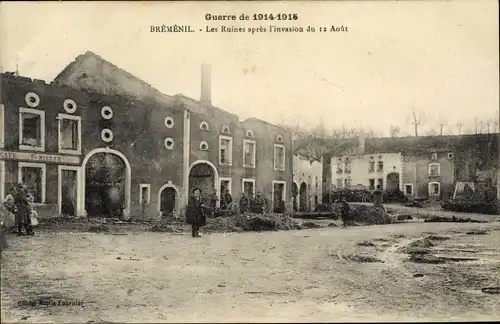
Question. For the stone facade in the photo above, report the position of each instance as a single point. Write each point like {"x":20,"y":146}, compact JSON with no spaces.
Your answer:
{"x":307,"y":182}
{"x":157,"y":147}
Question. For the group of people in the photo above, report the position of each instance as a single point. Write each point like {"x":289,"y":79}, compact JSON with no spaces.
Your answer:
{"x":196,"y":212}
{"x":17,"y":211}
{"x":251,"y":204}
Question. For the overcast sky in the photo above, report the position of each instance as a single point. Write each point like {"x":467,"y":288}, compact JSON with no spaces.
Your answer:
{"x":439,"y":57}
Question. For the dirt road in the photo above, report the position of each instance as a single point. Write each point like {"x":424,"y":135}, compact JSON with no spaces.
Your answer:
{"x":308,"y":275}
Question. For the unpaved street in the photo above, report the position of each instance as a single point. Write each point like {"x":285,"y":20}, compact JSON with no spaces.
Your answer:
{"x":330,"y":274}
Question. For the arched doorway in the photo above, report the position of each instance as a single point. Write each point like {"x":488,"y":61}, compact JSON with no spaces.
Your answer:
{"x":303,"y":197}
{"x":203,"y":175}
{"x":295,"y":193}
{"x":168,"y":200}
{"x":107,"y":183}
{"x":392,"y":181}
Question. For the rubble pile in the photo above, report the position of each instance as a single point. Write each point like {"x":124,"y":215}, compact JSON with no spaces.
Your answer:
{"x":249,"y":222}
{"x":370,"y":215}
{"x":164,"y":228}
{"x":453,"y":219}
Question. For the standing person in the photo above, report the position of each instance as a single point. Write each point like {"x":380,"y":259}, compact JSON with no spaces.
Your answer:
{"x":377,"y":197}
{"x":195,"y":214}
{"x":259,"y":203}
{"x":228,"y":200}
{"x":345,"y":211}
{"x":244,"y":203}
{"x":22,"y":210}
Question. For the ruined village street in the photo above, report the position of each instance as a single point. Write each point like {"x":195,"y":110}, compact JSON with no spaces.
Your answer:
{"x":307,"y":275}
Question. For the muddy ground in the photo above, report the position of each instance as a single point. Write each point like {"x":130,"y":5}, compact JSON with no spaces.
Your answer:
{"x":419,"y":271}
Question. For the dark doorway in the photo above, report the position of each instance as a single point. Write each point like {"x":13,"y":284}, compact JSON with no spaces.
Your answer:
{"x":167,"y":201}
{"x":303,"y":197}
{"x":105,"y":175}
{"x":202,"y":176}
{"x":68,"y":192}
{"x":295,"y":193}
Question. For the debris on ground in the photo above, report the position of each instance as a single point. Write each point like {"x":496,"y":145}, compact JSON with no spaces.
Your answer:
{"x":419,"y":247}
{"x":365,"y":243}
{"x":418,"y":275}
{"x":98,"y":229}
{"x":453,"y":219}
{"x":249,"y":222}
{"x":477,"y":233}
{"x":332,"y":225}
{"x":491,"y":290}
{"x":426,"y":258}
{"x":363,"y":259}
{"x":164,"y":228}
{"x":310,"y":225}
{"x":437,"y":238}
{"x":371,"y":215}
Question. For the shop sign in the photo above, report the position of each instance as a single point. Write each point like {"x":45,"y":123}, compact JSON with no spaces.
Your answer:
{"x":39,"y":157}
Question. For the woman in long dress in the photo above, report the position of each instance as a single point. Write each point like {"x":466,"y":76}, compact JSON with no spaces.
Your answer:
{"x":22,"y":211}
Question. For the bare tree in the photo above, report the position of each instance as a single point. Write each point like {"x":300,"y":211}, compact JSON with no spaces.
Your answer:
{"x":416,"y":119}
{"x":394,"y":131}
{"x":442,"y":124}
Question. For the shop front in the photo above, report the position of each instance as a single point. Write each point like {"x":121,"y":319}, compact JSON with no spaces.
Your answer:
{"x":53,"y":179}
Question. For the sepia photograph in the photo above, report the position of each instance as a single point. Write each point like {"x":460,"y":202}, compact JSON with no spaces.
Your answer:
{"x":249,"y":161}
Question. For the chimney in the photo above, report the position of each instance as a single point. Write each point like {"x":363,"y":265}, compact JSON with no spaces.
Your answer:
{"x":206,"y":86}
{"x":361,"y":142}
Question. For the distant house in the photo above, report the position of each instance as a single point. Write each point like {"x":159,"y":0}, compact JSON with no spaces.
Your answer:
{"x":307,"y":187}
{"x":426,"y":166}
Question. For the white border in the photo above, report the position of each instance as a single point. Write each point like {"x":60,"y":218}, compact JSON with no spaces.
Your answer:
{"x":2,"y":181}
{"x":29,"y":103}
{"x":21,"y":165}
{"x":67,"y":109}
{"x":168,"y":118}
{"x":41,"y":113}
{"x":230,"y":184}
{"x":128,"y":176}
{"x":284,"y":157}
{"x":107,"y":131}
{"x":2,"y":126}
{"x":404,"y":189}
{"x":107,"y":108}
{"x":204,"y":123}
{"x":223,"y":130}
{"x":216,"y":176}
{"x":383,"y":166}
{"x":429,"y":169}
{"x":169,"y":147}
{"x":272,"y":192}
{"x":251,"y":180}
{"x":78,"y":169}
{"x":230,"y":139}
{"x":202,"y":149}
{"x":177,"y":197}
{"x":60,"y":118}
{"x":429,"y":189}
{"x":254,"y":160}
{"x":147,"y":186}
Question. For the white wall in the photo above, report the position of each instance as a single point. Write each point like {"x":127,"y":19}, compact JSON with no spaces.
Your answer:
{"x":360,"y":174}
{"x":311,"y":173}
